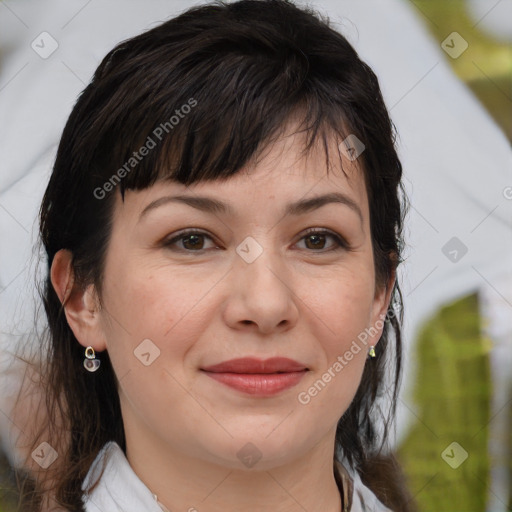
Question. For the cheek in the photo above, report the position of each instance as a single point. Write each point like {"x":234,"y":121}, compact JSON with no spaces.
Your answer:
{"x":342,"y":309}
{"x":153,"y":304}
{"x":341,"y":312}
{"x":154,"y":321}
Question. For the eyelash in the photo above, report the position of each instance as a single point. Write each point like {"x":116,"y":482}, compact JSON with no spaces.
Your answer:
{"x":341,"y":244}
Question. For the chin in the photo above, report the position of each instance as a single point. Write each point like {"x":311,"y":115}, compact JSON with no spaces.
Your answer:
{"x":258,"y":449}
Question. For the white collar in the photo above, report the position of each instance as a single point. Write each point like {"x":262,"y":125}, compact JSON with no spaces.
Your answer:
{"x":121,"y":490}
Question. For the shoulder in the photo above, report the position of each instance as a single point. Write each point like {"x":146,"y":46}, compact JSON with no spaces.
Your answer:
{"x":359,"y":497}
{"x":119,"y":488}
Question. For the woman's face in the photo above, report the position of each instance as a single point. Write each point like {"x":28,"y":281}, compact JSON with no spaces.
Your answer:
{"x":251,"y":282}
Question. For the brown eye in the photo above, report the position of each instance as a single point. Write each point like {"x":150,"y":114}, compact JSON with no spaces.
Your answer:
{"x":191,"y":241}
{"x":316,"y":240}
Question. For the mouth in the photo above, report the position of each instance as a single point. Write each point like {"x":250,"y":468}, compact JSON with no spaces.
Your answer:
{"x":258,"y":377}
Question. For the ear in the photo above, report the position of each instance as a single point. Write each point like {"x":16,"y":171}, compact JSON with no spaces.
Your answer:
{"x":380,"y":308}
{"x":81,"y":306}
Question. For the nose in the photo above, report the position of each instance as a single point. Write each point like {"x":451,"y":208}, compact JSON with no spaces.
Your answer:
{"x":261,"y":294}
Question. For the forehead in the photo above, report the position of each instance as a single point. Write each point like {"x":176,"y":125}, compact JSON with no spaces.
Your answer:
{"x":281,"y":173}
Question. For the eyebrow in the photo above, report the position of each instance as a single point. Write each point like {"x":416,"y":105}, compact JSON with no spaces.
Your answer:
{"x":210,"y":205}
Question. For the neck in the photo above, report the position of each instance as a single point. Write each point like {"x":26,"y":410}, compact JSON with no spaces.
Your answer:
{"x":187,"y":483}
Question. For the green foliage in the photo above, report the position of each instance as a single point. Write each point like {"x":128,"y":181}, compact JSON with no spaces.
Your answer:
{"x":452,"y":399}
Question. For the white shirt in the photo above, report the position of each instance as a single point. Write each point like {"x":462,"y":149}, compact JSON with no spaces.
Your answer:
{"x":121,"y":490}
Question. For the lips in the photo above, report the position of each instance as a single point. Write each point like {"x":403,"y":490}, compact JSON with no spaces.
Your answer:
{"x":258,"y":377}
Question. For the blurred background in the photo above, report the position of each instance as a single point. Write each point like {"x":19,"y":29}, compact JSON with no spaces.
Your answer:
{"x":460,"y":392}
{"x":454,"y":432}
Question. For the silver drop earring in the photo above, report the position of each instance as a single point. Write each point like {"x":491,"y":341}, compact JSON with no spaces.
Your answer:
{"x":91,"y":364}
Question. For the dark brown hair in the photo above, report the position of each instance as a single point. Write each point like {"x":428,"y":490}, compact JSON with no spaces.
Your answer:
{"x":210,"y":89}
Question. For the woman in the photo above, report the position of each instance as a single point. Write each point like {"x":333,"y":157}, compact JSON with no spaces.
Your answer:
{"x":223,"y":227}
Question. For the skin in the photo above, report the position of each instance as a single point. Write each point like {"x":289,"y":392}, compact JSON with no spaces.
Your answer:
{"x":299,"y":300}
